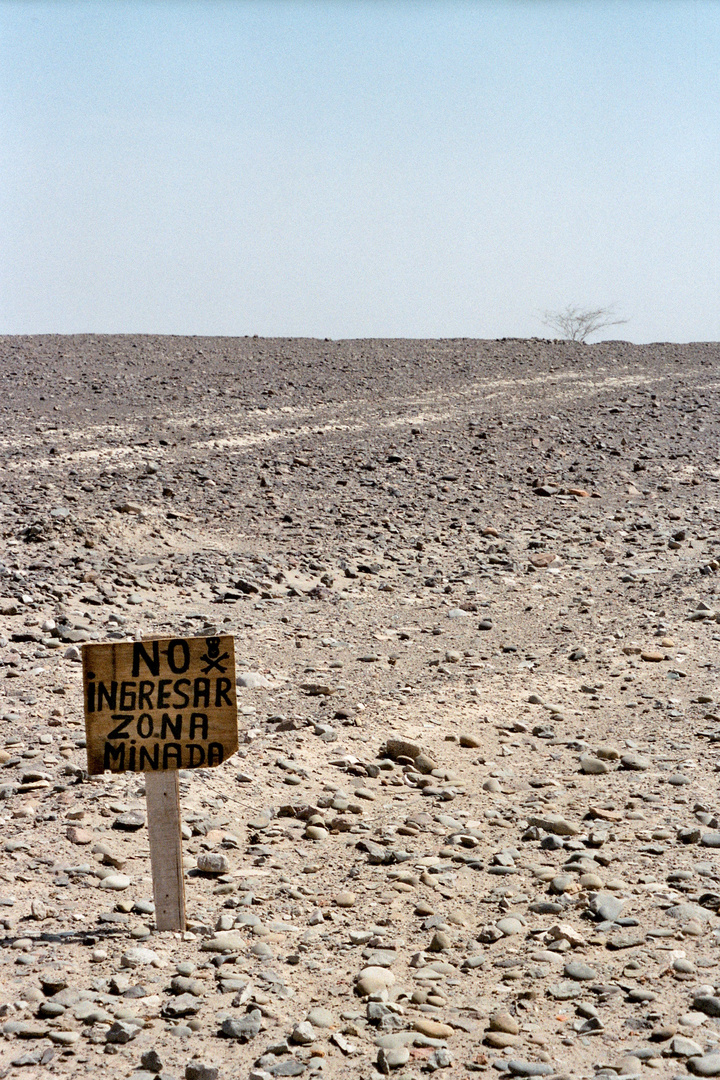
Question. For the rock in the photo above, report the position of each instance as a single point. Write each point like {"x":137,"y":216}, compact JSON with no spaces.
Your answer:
{"x":510,"y":925}
{"x":316,"y":832}
{"x":151,"y":1061}
{"x":182,"y":984}
{"x":529,"y":1068}
{"x":561,"y":883}
{"x":121,"y":1031}
{"x":424,"y":764}
{"x":579,"y":971}
{"x":554,"y":823}
{"x":182,"y":1005}
{"x":432,"y":1028}
{"x":504,"y":1021}
{"x":607,"y":753}
{"x":227,"y":941}
{"x":566,"y":990}
{"x":681,"y":1046}
{"x":607,"y":907}
{"x":440,"y":1059}
{"x":195,"y":1070}
{"x":345,"y":899}
{"x":212,"y":862}
{"x":139,"y":957}
{"x":499,"y":1040}
{"x":243,"y":1028}
{"x":130,"y":821}
{"x":635,"y":762}
{"x":630,"y":1065}
{"x":708,"y":1004}
{"x":252,"y":680}
{"x":64,"y":1038}
{"x":320,"y":1018}
{"x":262,"y":950}
{"x":710,"y":839}
{"x":395,"y":748}
{"x":116,"y":882}
{"x":593,"y":766}
{"x":372,"y":980}
{"x":303,"y":1033}
{"x":395,"y":1058}
{"x":440,"y":942}
{"x":684,"y":913}
{"x":565,"y":932}
{"x":705,"y":1065}
{"x":77,"y":835}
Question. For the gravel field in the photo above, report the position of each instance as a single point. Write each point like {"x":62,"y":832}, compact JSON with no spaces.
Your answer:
{"x":471,"y":827}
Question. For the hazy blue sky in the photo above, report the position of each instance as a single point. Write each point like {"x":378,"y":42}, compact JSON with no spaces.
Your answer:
{"x":357,"y":169}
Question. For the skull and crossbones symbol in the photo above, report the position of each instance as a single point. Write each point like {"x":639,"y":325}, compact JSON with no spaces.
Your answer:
{"x":212,"y":658}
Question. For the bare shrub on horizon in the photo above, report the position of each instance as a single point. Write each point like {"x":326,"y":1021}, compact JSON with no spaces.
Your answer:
{"x":578,"y":324}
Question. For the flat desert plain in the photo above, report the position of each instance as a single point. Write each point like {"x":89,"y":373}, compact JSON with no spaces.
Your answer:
{"x":473,"y":823}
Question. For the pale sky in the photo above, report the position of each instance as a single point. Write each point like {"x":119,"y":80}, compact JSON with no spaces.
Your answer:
{"x":359,"y":169}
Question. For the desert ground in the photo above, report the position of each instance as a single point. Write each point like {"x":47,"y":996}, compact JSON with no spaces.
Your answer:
{"x":473,"y":821}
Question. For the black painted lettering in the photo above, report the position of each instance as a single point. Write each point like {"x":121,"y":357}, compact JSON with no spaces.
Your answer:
{"x":198,"y":719}
{"x":192,"y":750}
{"x":173,"y":646}
{"x":91,"y":697}
{"x":131,"y":759}
{"x":114,"y":756}
{"x":145,"y":726}
{"x":145,"y":695}
{"x":221,"y":692}
{"x":176,"y":728}
{"x":216,"y":753}
{"x":127,"y":696}
{"x":149,"y":762}
{"x":184,"y":698}
{"x":152,"y":663}
{"x":110,"y":696}
{"x":172,"y":750}
{"x":202,"y":690}
{"x":119,"y":732}
{"x":163,"y":699}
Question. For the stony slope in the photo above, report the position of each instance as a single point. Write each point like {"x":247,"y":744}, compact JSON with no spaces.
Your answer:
{"x":478,"y":581}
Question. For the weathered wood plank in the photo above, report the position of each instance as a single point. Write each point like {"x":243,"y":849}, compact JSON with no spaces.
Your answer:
{"x":160,"y":705}
{"x":163,"y":817}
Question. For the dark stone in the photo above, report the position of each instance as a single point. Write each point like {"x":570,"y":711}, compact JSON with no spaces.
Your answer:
{"x":292,"y":1067}
{"x":182,"y":1005}
{"x":130,"y":821}
{"x":195,"y":1070}
{"x":242,"y":1028}
{"x":150,"y":1060}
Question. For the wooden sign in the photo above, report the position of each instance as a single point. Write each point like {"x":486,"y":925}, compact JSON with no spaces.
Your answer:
{"x":160,"y":705}
{"x":155,"y":707}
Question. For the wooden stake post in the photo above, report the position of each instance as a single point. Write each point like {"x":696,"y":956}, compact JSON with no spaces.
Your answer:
{"x":156,"y":707}
{"x":162,"y":797}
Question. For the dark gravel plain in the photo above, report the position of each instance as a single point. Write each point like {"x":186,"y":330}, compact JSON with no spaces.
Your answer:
{"x":473,"y":586}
